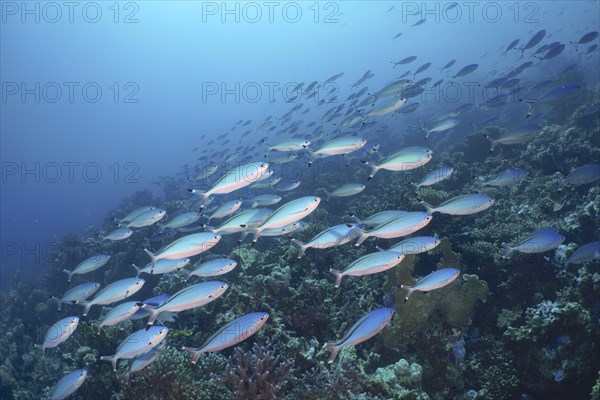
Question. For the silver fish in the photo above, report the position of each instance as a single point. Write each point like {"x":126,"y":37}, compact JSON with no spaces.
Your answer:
{"x":415,"y":245}
{"x":163,"y":266}
{"x":137,"y":343}
{"x":118,"y":314}
{"x":402,"y":225}
{"x":190,"y":297}
{"x":363,"y":329}
{"x":214,"y":267}
{"x":461,"y":205}
{"x":187,"y":246}
{"x":436,"y":176}
{"x":434,"y":280}
{"x":79,"y":293}
{"x":68,"y":384}
{"x":88,"y":265}
{"x":369,"y":264}
{"x":59,"y":332}
{"x":119,"y":234}
{"x":330,"y":237}
{"x":403,"y":160}
{"x":114,"y":292}
{"x":147,"y":218}
{"x":585,"y":253}
{"x":544,"y":239}
{"x":230,"y":334}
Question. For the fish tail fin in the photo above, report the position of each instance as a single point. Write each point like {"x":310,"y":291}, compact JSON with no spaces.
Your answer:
{"x":338,"y":276}
{"x":195,"y":353}
{"x":152,"y":256}
{"x":409,"y":290}
{"x":209,"y":228}
{"x":301,"y":247}
{"x":153,"y":314}
{"x":86,"y":307}
{"x":69,"y":273}
{"x":311,"y":156}
{"x":379,"y":248}
{"x":137,"y":270}
{"x":334,"y":349}
{"x":112,"y":360}
{"x":507,"y":250}
{"x":428,"y":207}
{"x":492,"y":142}
{"x":203,"y":195}
{"x":374,"y":169}
{"x":362,"y":236}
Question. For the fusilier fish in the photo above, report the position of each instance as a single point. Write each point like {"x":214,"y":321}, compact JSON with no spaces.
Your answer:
{"x":163,"y":266}
{"x":226,"y":209}
{"x":137,"y":343}
{"x":147,"y":218}
{"x":544,"y":239}
{"x":59,"y":332}
{"x":135,"y":213}
{"x":285,"y":230}
{"x":119,"y":234}
{"x":404,"y":160}
{"x":348,"y":189}
{"x":265,"y":200}
{"x":414,"y":245}
{"x":78,"y":293}
{"x":291,"y":211}
{"x":118,"y":314}
{"x":517,"y":136}
{"x":461,"y":205}
{"x":288,"y":145}
{"x":181,"y":220}
{"x":240,"y":222}
{"x":187,"y":246}
{"x":435,"y":280}
{"x":369,"y":264}
{"x":142,"y":361}
{"x":402,"y":225}
{"x":189,"y":297}
{"x":585,"y":253}
{"x":584,"y":175}
{"x":68,"y":384}
{"x":235,"y":179}
{"x":380,"y":217}
{"x":337,"y":146}
{"x":506,"y":178}
{"x":214,"y":267}
{"x":114,"y":292}
{"x":436,"y":176}
{"x":363,"y":329}
{"x":88,"y":265}
{"x":230,"y":334}
{"x":330,"y":237}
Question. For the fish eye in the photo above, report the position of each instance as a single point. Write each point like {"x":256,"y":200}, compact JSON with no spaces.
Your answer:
{"x":210,"y":296}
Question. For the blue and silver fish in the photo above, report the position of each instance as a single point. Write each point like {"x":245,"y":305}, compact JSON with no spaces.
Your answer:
{"x":136,"y":344}
{"x":230,"y":334}
{"x":461,"y":205}
{"x":114,"y":292}
{"x":68,"y":384}
{"x":214,"y":267}
{"x":330,"y":237}
{"x":414,"y":245}
{"x":118,"y":314}
{"x":118,"y":234}
{"x":79,"y":293}
{"x":189,"y":297}
{"x":434,"y":280}
{"x":187,"y":246}
{"x":402,"y":225}
{"x":543,"y":239}
{"x":364,"y":329}
{"x":369,"y":264}
{"x":585,"y":253}
{"x":59,"y":332}
{"x":163,"y":266}
{"x":88,"y":265}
